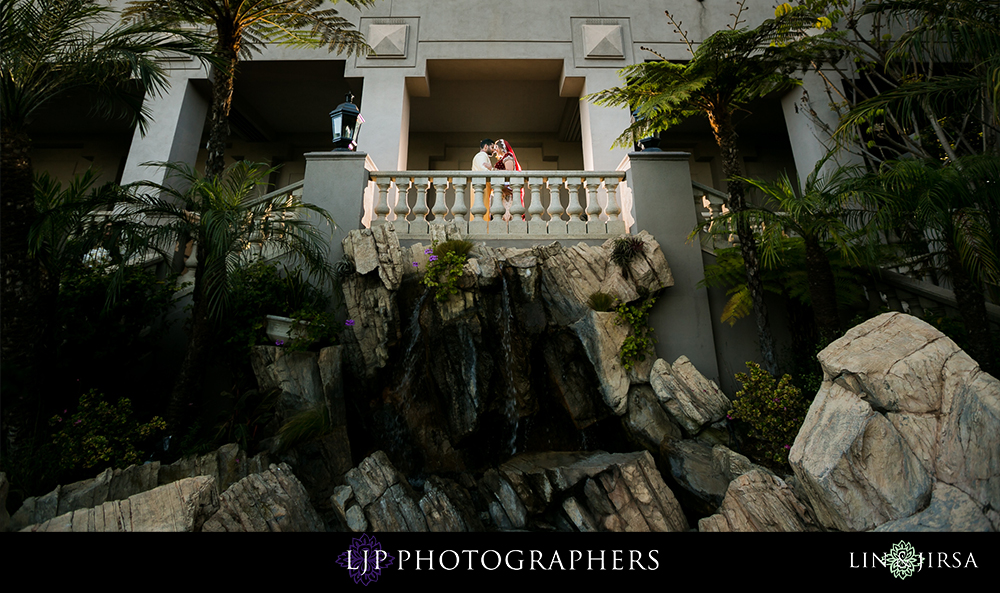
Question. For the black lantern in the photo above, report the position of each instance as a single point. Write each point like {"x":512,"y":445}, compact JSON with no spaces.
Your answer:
{"x":347,"y":122}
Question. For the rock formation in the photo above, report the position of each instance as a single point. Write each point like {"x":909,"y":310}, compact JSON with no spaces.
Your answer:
{"x":902,"y":412}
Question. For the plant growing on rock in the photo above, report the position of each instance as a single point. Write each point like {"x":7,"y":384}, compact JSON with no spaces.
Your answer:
{"x":773,"y":413}
{"x":601,"y":301}
{"x":640,"y":341}
{"x":446,"y":263}
{"x":624,"y":250}
{"x":304,"y":426}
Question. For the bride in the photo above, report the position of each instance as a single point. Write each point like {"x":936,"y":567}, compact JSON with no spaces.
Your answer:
{"x":506,"y":161}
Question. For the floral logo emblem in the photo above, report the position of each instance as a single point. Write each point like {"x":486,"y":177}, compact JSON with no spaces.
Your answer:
{"x":365,"y":559}
{"x":902,"y":560}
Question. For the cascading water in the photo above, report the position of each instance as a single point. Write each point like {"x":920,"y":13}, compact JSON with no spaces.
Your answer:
{"x":505,"y":320}
{"x":394,"y":426}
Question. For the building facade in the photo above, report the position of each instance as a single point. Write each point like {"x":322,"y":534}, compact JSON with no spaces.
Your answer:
{"x":446,"y":73}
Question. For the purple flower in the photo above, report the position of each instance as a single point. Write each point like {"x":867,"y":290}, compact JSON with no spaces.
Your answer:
{"x":279,"y":343}
{"x":58,"y":418}
{"x":77,"y":422}
{"x":432,"y":258}
{"x":428,"y":251}
{"x":349,"y":322}
{"x":415,"y":264}
{"x":788,"y":446}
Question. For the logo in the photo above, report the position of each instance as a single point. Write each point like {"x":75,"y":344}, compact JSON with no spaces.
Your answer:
{"x":902,"y":560}
{"x":365,"y":559}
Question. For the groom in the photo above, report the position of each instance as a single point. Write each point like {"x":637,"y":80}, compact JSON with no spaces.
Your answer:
{"x":481,"y":162}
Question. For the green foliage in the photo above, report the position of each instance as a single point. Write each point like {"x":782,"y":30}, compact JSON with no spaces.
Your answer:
{"x":459,"y":246}
{"x":100,"y":433}
{"x":248,"y":413}
{"x":639,"y":343}
{"x":787,"y":278}
{"x":624,"y":250}
{"x":261,"y":290}
{"x":920,"y":80}
{"x":601,"y":301}
{"x":50,"y":47}
{"x":726,"y":71}
{"x":320,"y":329}
{"x":445,"y":267}
{"x":90,"y":331}
{"x":773,"y":413}
{"x":305,"y":426}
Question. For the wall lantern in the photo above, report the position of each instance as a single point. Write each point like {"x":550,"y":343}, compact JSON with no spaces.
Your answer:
{"x":347,"y":120}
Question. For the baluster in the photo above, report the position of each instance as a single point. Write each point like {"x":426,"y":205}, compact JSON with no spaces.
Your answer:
{"x":420,"y":210}
{"x":478,"y":224}
{"x":459,"y":209}
{"x":517,"y":224}
{"x":575,"y":225}
{"x":382,"y":201}
{"x":497,"y":209}
{"x":440,"y":200}
{"x":536,"y":226}
{"x":594,"y":223}
{"x":557,"y":226}
{"x":402,"y":207}
{"x":616,"y":226}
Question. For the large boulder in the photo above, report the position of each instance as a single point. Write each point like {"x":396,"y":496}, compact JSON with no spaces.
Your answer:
{"x":227,"y":465}
{"x":759,"y":501}
{"x":692,"y":400}
{"x":901,"y":408}
{"x":180,"y":506}
{"x":272,"y":500}
{"x":620,"y":491}
{"x":705,"y":470}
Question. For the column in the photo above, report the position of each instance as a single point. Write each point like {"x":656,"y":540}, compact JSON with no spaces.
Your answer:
{"x":336,"y":181}
{"x":385,"y":105}
{"x":173,"y":134}
{"x":664,"y":207}
{"x":601,"y":126}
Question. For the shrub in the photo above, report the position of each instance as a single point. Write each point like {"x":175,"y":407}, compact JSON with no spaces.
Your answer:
{"x":773,"y":414}
{"x":100,"y":433}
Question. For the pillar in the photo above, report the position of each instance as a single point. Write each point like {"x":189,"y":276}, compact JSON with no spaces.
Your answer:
{"x":601,"y":126}
{"x":336,"y":181}
{"x":664,"y":207}
{"x":174,"y":134}
{"x":385,"y":105}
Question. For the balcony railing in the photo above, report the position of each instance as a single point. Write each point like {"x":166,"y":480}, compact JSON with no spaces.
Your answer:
{"x":560,"y":204}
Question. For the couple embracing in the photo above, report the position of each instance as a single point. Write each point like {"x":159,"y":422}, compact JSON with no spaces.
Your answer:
{"x":506,"y":161}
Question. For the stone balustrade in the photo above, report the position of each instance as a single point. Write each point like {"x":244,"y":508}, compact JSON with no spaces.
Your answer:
{"x":560,"y":204}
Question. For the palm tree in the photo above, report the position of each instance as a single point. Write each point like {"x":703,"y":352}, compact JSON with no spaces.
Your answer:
{"x":922,"y":79}
{"x":241,"y":27}
{"x":958,"y":205}
{"x":726,"y":71}
{"x":233,"y":227}
{"x":48,"y":48}
{"x":832,"y":213}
